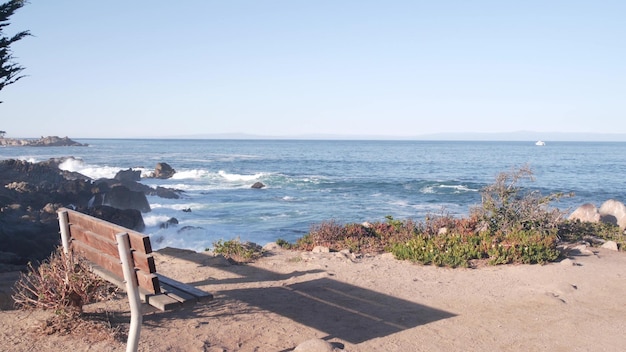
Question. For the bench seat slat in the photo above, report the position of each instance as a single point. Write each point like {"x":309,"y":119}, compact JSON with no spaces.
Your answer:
{"x":184,"y":298}
{"x":163,"y":302}
{"x":159,"y":301}
{"x":199,"y":294}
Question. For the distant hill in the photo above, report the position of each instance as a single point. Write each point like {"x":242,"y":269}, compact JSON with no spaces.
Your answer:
{"x":472,"y":136}
{"x":529,"y":136}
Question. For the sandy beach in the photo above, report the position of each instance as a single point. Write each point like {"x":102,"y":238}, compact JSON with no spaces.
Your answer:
{"x":370,"y":303}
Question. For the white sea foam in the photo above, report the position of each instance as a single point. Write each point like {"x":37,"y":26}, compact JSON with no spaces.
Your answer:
{"x":191,"y":174}
{"x":456,"y":189}
{"x":94,"y":171}
{"x":239,"y":177}
{"x":428,"y":190}
{"x":155,"y":220}
{"x":178,"y":206}
{"x":401,"y":203}
{"x":459,"y":188}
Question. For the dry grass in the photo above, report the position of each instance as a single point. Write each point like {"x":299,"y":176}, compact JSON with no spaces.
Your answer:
{"x":63,"y":284}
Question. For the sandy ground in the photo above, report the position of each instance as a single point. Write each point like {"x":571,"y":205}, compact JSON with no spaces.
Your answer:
{"x":374,"y":303}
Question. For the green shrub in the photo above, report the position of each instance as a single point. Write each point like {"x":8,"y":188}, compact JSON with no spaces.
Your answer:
{"x":358,"y":238}
{"x":575,"y":230}
{"x":238,"y":252}
{"x":506,"y":207}
{"x":283,"y":244}
{"x":526,"y":247}
{"x":453,"y":250}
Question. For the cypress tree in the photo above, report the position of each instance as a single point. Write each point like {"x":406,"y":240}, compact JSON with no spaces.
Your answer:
{"x":10,"y":71}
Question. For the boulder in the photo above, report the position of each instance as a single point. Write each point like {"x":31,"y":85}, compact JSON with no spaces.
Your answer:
{"x":131,"y":185}
{"x":612,"y":245}
{"x":614,"y":212}
{"x":258,"y":185}
{"x":163,"y":171}
{"x":167,"y":193}
{"x":123,"y":198}
{"x":129,"y":175}
{"x":128,"y":218}
{"x":315,"y":345}
{"x":320,"y":249}
{"x":188,"y":228}
{"x":170,"y":221}
{"x":586,"y":213}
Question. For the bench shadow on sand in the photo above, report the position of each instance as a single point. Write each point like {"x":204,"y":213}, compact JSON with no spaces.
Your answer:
{"x":344,"y":311}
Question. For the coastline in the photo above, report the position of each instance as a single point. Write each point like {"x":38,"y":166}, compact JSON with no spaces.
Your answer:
{"x":50,"y":141}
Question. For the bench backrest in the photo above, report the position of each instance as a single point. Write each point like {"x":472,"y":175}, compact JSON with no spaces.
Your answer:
{"x":95,"y":239}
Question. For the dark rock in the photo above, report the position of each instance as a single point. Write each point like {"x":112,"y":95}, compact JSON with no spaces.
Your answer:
{"x":128,"y":218}
{"x":167,"y":193}
{"x":171,"y":221}
{"x":258,"y":185}
{"x":187,"y":210}
{"x":12,"y":170}
{"x":129,"y":175}
{"x":188,"y":228}
{"x":23,"y":240}
{"x":163,"y":171}
{"x":123,"y":198}
{"x":131,"y":185}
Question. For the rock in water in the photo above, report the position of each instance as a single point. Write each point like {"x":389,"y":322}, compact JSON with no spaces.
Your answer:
{"x":163,"y":171}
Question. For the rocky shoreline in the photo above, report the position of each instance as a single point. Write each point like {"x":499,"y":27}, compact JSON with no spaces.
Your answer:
{"x":31,"y":194}
{"x":50,"y":141}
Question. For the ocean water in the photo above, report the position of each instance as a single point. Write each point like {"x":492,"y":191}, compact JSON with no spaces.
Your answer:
{"x":308,"y":182}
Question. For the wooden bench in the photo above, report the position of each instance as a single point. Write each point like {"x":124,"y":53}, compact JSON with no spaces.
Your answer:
{"x":124,"y":257}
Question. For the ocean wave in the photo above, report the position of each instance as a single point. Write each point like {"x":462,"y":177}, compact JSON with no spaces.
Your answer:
{"x":92,"y":171}
{"x":191,"y":174}
{"x":446,"y":189}
{"x":239,"y":177}
{"x":459,"y":188}
{"x":155,"y":220}
{"x":179,"y":206}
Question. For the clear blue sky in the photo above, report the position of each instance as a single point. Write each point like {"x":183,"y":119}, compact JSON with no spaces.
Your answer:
{"x":396,"y":68}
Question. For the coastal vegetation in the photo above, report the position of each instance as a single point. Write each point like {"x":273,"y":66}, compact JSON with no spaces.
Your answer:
{"x":238,"y":252}
{"x":513,"y":224}
{"x":62,"y":283}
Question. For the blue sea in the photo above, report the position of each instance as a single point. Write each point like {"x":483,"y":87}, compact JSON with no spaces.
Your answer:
{"x":311,"y":181}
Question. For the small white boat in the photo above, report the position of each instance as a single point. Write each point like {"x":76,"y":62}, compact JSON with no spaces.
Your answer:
{"x":540,"y":143}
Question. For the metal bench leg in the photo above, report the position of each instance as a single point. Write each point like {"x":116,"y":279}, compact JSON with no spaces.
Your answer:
{"x":132,"y":288}
{"x":65,"y":231}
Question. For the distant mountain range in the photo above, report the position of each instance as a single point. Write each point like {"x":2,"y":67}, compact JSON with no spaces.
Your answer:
{"x":473,"y":136}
